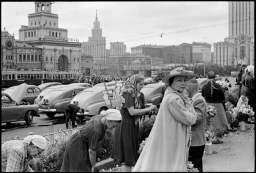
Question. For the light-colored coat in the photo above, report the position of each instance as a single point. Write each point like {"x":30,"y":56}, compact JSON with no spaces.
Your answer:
{"x":167,"y":146}
{"x":198,"y":129}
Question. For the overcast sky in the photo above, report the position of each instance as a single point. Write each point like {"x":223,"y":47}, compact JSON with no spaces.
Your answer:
{"x":133,"y":23}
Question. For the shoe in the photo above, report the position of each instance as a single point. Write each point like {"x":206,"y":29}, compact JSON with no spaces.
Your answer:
{"x":217,"y":142}
{"x":232,"y":130}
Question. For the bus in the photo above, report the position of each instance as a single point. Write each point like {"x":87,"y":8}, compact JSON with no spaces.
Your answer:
{"x":13,"y":78}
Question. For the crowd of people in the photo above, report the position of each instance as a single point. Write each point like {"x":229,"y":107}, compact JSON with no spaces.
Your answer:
{"x":177,"y":136}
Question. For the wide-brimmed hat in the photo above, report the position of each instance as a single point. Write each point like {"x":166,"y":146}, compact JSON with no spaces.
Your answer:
{"x":180,"y":71}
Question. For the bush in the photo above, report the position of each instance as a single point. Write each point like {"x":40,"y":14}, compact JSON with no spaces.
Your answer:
{"x":145,"y":127}
{"x":104,"y":148}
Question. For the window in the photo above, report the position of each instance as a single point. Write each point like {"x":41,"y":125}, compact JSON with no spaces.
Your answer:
{"x":32,"y":58}
{"x":39,"y":58}
{"x":59,"y":35}
{"x":20,"y":57}
{"x":52,"y":34}
{"x":32,"y":34}
{"x":39,"y":22}
{"x":25,"y":34}
{"x":56,"y":34}
{"x":74,"y":59}
{"x":35,"y":23}
{"x":36,"y":58}
{"x":54,"y":24}
{"x":31,"y":24}
{"x":46,"y":59}
{"x":51,"y":58}
{"x":50,"y":23}
{"x":28,"y":34}
{"x":24,"y":58}
{"x":28,"y":58}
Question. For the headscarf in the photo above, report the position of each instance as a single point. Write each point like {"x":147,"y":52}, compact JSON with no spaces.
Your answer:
{"x":211,"y":77}
{"x":250,"y":69}
{"x":112,"y":114}
{"x":37,"y":140}
{"x":130,"y":85}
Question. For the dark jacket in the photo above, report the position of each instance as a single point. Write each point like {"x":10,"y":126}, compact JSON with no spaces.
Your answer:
{"x":217,"y":95}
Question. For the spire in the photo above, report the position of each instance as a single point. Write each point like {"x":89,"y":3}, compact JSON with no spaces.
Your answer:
{"x":96,"y":15}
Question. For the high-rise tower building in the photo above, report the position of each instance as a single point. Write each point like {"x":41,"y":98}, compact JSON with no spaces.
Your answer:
{"x":117,"y":48}
{"x":96,"y":46}
{"x":238,"y":47}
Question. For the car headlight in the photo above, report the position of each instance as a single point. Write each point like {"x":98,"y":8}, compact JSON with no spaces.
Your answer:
{"x":41,"y":97}
{"x":75,"y":103}
{"x":45,"y":101}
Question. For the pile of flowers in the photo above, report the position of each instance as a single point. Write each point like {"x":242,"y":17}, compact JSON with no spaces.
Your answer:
{"x":209,"y":136}
{"x":117,"y":168}
{"x":142,"y":144}
{"x":223,"y":84}
{"x":190,"y":167}
{"x":211,"y":111}
{"x":242,"y":113}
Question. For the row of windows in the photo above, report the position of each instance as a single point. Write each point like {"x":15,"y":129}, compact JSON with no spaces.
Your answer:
{"x":45,"y":24}
{"x":30,"y":58}
{"x":54,"y":34}
{"x":30,"y":34}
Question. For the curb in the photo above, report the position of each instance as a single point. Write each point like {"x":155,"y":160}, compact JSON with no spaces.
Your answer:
{"x":104,"y":164}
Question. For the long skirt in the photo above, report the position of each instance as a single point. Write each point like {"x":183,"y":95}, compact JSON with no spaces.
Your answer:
{"x":76,"y":156}
{"x":219,"y":123}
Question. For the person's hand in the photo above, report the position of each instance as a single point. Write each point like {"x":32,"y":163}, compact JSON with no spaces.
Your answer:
{"x":152,"y":107}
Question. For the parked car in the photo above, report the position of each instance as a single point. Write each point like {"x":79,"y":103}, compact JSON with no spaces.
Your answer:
{"x":56,"y":100}
{"x":13,"y":110}
{"x":153,"y":93}
{"x":31,"y":94}
{"x":148,"y":80}
{"x":81,"y":84}
{"x":108,"y":84}
{"x":91,"y":101}
{"x":46,"y":91}
{"x":43,"y":86}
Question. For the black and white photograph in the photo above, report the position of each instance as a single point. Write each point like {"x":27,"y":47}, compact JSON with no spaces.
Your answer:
{"x":127,"y":86}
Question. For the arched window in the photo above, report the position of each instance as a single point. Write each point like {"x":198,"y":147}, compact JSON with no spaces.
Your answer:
{"x":52,"y":34}
{"x":32,"y":34}
{"x":46,"y":59}
{"x":28,"y":34}
{"x":51,"y":58}
{"x":56,"y":34}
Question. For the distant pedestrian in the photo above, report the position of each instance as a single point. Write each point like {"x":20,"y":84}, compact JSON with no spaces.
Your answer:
{"x":70,"y":114}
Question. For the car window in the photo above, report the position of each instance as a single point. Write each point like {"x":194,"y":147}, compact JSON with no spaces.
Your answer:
{"x":53,"y":94}
{"x":37,"y":90}
{"x":75,"y":92}
{"x":6,"y":99}
{"x":30,"y":90}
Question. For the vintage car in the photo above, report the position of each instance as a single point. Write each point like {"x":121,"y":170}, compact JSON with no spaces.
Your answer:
{"x":108,"y":84}
{"x":91,"y":101}
{"x":43,"y":86}
{"x":31,"y":94}
{"x":46,"y":91}
{"x":148,"y":80}
{"x":56,"y":100}
{"x":12,"y":108}
{"x":153,"y":93}
{"x":81,"y":84}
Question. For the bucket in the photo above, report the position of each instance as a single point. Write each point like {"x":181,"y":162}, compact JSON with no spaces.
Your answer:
{"x":242,"y":125}
{"x":208,"y":148}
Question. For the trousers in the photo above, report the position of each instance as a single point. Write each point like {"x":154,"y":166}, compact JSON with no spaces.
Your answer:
{"x":196,"y":156}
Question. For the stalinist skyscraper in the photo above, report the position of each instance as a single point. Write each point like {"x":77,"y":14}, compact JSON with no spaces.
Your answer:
{"x":96,"y":46}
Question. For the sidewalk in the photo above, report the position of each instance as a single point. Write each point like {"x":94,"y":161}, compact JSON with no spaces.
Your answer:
{"x":236,"y":154}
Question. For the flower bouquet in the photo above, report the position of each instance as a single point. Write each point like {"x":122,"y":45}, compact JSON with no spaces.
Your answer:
{"x":190,"y":167}
{"x":223,"y":84}
{"x":211,"y":111}
{"x":209,"y":136}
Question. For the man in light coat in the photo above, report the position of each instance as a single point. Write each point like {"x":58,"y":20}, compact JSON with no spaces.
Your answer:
{"x":198,"y":141}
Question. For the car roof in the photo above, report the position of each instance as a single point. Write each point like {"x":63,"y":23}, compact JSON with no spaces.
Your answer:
{"x":98,"y":88}
{"x":65,"y":89}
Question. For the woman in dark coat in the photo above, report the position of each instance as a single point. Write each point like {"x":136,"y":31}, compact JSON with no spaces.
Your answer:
{"x":80,"y":152}
{"x":214,"y":96}
{"x":126,"y":137}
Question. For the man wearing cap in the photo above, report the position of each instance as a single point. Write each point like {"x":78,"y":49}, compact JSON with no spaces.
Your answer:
{"x":17,"y":153}
{"x":196,"y":150}
{"x":80,"y":152}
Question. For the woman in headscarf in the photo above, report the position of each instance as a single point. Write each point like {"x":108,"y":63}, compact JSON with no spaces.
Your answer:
{"x":167,"y":147}
{"x":214,"y":96}
{"x":80,"y":153}
{"x":126,"y":137}
{"x":16,"y":154}
{"x":248,"y":85}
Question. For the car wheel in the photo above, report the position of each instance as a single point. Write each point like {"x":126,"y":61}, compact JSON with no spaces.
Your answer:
{"x":50,"y":114}
{"x":29,"y":118}
{"x":102,"y":109}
